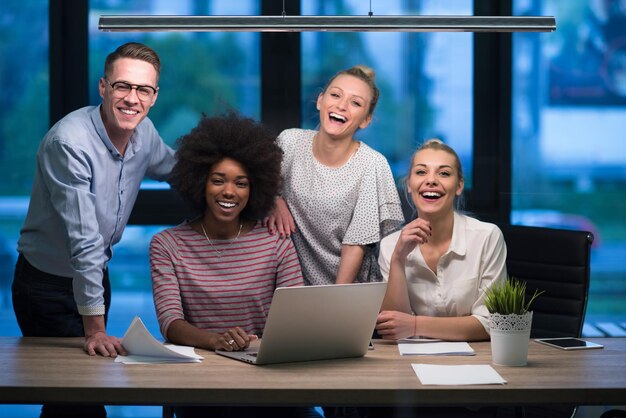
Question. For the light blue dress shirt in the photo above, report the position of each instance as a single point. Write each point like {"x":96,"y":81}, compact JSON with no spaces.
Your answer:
{"x":83,"y":193}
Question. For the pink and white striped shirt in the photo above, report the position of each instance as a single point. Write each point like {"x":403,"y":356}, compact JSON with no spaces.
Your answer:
{"x":192,"y":282}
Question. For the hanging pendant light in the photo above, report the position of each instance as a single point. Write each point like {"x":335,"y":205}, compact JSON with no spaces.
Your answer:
{"x":327,"y":23}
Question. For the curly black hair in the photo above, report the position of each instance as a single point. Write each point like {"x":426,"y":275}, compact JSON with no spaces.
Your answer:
{"x":232,"y":136}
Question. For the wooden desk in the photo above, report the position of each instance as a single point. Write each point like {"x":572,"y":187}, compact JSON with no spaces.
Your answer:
{"x":38,"y":370}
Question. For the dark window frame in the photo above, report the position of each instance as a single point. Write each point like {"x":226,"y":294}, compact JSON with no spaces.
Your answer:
{"x":69,"y":49}
{"x":490,"y":197}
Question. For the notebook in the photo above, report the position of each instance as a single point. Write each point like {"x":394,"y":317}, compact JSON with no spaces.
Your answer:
{"x":316,"y":323}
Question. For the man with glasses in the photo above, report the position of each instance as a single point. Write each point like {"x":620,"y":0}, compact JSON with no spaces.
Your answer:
{"x":88,"y":171}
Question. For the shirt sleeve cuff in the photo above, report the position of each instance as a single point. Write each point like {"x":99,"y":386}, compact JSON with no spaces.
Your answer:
{"x":97,"y":310}
{"x":484,"y":322}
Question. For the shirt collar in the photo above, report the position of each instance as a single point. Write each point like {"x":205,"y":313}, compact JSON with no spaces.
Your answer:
{"x":133,"y":144}
{"x":458,"y":243}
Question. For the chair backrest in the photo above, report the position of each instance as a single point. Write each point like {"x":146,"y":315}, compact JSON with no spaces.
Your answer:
{"x":557,"y":261}
{"x":159,"y":207}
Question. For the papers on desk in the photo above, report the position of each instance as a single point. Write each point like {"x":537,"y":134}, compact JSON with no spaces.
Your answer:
{"x":436,"y":348}
{"x":470,"y":374}
{"x":143,"y":348}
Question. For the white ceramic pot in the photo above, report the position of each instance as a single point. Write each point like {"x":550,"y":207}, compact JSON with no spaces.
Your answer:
{"x":510,"y":335}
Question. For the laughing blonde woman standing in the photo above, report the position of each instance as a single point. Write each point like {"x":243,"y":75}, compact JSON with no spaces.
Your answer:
{"x":338,"y":193}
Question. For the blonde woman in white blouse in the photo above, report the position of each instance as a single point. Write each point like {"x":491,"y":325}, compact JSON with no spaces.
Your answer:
{"x":440,"y":264}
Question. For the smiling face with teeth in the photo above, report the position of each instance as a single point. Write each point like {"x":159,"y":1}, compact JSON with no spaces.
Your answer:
{"x":121,"y":115}
{"x":227,"y":192}
{"x":344,"y":106}
{"x":434,"y":182}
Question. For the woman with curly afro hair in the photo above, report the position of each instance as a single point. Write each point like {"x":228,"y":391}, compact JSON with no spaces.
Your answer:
{"x":213,"y":276}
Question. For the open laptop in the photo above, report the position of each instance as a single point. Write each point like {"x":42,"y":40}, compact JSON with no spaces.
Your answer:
{"x":316,"y":323}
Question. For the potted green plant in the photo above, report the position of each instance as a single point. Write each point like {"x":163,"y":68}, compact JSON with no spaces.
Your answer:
{"x":510,"y":321}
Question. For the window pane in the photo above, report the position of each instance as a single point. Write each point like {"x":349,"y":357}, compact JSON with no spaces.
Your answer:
{"x":200,"y":73}
{"x":569,"y":119}
{"x":425,"y":79}
{"x":24,"y":119}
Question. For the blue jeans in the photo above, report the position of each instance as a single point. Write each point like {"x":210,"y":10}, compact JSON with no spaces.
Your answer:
{"x":44,"y":307}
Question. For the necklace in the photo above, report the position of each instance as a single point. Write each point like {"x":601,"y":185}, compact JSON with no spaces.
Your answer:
{"x":219,"y":253}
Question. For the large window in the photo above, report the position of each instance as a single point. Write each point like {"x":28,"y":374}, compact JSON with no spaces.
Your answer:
{"x":569,"y":153}
{"x":569,"y":105}
{"x":425,"y":78}
{"x":425,"y":81}
{"x":200,"y":73}
{"x":24,"y":101}
{"x":24,"y":119}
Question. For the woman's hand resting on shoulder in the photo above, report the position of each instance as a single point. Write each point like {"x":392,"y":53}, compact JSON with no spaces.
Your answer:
{"x":280,"y":220}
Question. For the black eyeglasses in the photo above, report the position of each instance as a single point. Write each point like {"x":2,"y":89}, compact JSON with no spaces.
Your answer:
{"x":122,"y":89}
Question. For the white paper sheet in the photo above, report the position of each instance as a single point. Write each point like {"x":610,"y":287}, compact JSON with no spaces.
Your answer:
{"x":470,"y":374}
{"x":437,"y":348}
{"x":143,"y":348}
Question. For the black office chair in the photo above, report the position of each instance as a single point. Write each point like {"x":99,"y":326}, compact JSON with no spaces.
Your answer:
{"x":556,"y":261}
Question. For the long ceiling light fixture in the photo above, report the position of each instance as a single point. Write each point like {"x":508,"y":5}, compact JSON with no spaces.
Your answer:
{"x":327,"y":23}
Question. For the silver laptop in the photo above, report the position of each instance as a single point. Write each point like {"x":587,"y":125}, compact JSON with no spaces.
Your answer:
{"x":316,"y":323}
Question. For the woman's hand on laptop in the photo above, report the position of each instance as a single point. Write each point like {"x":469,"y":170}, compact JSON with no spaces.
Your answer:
{"x":234,"y":339}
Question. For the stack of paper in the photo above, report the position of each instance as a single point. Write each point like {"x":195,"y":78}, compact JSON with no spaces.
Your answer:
{"x":436,"y":348}
{"x":143,"y":348}
{"x":471,"y":374}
